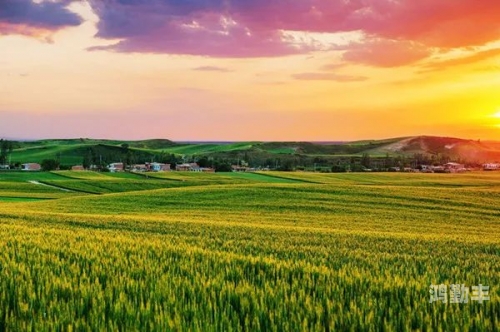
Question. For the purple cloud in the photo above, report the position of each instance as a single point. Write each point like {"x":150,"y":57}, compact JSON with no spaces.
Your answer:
{"x":30,"y":18}
{"x":397,"y":32}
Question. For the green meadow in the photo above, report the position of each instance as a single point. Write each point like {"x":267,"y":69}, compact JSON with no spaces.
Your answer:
{"x":269,"y":251}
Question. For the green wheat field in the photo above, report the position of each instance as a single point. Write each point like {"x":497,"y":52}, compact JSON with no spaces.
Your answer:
{"x":246,"y":252}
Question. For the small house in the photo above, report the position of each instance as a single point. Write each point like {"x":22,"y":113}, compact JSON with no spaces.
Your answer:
{"x":159,"y":167}
{"x":426,"y":169}
{"x":31,"y":167}
{"x":491,"y":167}
{"x":188,"y":167}
{"x":77,"y":168}
{"x":140,"y":168}
{"x":455,"y":168}
{"x":238,"y":168}
{"x":438,"y":169}
{"x":115,"y":167}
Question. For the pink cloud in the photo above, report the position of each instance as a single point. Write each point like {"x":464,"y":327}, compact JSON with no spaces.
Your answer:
{"x":199,"y":33}
{"x":438,"y":23}
{"x":397,"y":31}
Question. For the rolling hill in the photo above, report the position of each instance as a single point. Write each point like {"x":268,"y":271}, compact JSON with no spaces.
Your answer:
{"x":72,"y":151}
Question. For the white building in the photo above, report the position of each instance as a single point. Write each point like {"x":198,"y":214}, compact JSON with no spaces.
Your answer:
{"x":455,"y":167}
{"x":491,"y":167}
{"x":159,"y":167}
{"x":115,"y":167}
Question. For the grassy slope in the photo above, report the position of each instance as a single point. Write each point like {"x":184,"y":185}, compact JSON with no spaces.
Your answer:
{"x":71,"y":152}
{"x":190,"y":149}
{"x":352,"y":252}
{"x":220,"y":178}
{"x":16,"y":186}
{"x":475,"y":179}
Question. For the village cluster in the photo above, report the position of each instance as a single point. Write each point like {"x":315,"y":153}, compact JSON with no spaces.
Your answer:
{"x":194,"y":167}
{"x":147,"y":167}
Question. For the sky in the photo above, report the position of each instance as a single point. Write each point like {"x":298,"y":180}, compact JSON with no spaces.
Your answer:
{"x":259,"y":70}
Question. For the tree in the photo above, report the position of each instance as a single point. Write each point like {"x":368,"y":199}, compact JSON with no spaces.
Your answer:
{"x":50,"y":165}
{"x":204,"y":162}
{"x":88,"y":158}
{"x":222,"y":166}
{"x":366,"y":160}
{"x":5,"y":149}
{"x":286,"y":166}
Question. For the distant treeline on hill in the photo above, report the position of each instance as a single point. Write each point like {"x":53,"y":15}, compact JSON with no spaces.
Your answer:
{"x":383,"y":155}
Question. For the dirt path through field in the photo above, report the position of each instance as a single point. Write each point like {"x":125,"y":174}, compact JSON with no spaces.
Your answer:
{"x":50,"y":186}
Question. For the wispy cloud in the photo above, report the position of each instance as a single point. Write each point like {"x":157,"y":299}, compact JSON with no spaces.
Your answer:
{"x":212,"y":69}
{"x":328,"y":77}
{"x":386,"y":53}
{"x":438,"y":65}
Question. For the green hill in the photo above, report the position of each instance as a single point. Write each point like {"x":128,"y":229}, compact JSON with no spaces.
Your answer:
{"x":72,"y":151}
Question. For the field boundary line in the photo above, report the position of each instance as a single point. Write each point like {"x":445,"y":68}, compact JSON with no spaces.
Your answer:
{"x":286,"y":178}
{"x":64,"y":188}
{"x":49,"y":185}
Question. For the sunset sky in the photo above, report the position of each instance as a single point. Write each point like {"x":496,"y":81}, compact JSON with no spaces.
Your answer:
{"x":249,"y":69}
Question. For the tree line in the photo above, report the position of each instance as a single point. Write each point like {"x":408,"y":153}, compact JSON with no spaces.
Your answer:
{"x":99,"y":156}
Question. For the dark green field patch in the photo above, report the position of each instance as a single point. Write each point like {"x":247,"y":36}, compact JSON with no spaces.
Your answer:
{"x":21,"y":199}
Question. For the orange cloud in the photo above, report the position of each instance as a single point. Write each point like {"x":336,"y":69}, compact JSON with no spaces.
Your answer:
{"x":386,"y":53}
{"x":471,"y":59}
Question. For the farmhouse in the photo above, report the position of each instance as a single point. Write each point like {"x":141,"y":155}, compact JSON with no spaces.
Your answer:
{"x":140,"y":168}
{"x":426,"y":169}
{"x":115,"y":167}
{"x":31,"y":167}
{"x":188,"y":167}
{"x":491,"y":167}
{"x":438,"y":169}
{"x":77,"y":168}
{"x":159,"y":167}
{"x":238,"y":168}
{"x":455,"y":168}
{"x":4,"y":167}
